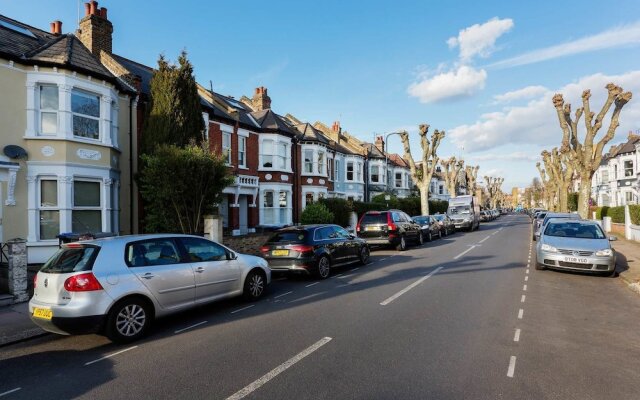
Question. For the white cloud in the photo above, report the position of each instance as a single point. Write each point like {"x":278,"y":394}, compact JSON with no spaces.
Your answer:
{"x":480,"y":39}
{"x":537,"y":123}
{"x":524,"y":93}
{"x":460,"y":82}
{"x":516,"y":156}
{"x":616,"y":37}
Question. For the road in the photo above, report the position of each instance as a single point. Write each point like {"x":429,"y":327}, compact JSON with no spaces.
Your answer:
{"x":466,"y":317}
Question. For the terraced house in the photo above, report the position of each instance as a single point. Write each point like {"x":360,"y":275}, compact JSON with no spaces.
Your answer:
{"x":68,"y":124}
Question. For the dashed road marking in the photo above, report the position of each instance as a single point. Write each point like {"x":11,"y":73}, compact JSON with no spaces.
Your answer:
{"x":312,"y":284}
{"x":523,"y":298}
{"x":527,"y":270}
{"x":512,"y":367}
{"x":282,"y":295}
{"x":524,"y":288}
{"x":243,"y":308}
{"x":189,"y":327}
{"x":482,"y":241}
{"x":516,"y":337}
{"x":465,"y":252}
{"x":414,"y":284}
{"x":10,"y":391}
{"x":526,"y":278}
{"x":354,"y":269}
{"x":109,"y":356}
{"x":520,"y":313}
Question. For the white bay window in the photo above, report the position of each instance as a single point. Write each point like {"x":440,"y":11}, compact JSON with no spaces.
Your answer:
{"x":48,"y":109}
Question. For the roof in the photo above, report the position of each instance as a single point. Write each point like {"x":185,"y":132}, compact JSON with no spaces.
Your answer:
{"x":28,"y":45}
{"x":144,"y":72}
{"x":398,"y":161}
{"x":310,"y":134}
{"x":270,"y":121}
{"x":628,"y":147}
{"x":373,"y":151}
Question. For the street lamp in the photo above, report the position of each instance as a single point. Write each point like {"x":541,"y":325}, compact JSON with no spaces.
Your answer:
{"x":386,"y":158}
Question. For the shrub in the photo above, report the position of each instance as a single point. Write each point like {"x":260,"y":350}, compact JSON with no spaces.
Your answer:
{"x":572,"y":201}
{"x":634,"y":211}
{"x":316,"y":213}
{"x":616,"y":214}
{"x":340,"y":208}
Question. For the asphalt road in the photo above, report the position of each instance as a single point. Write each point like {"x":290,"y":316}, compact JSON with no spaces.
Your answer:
{"x":459,"y":318}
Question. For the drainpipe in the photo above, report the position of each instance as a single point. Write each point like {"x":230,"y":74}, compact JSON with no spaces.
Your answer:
{"x":294,"y":157}
{"x":131,"y":99}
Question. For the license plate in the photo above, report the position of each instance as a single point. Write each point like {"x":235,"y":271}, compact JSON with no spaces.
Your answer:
{"x":280,"y":253}
{"x":43,"y":313}
{"x":576,"y":260}
{"x":372,"y":228}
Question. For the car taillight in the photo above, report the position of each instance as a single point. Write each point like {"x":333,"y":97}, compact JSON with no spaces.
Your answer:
{"x":302,"y":248}
{"x":358,"y":227}
{"x":265,"y":249}
{"x":391,"y":225}
{"x":82,"y":283}
{"x":35,"y":280}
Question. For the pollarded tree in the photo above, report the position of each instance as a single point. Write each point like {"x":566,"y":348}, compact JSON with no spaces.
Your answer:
{"x":562,"y":170}
{"x":451,"y":172}
{"x":494,"y":188}
{"x":472,"y":178}
{"x":550,"y":187}
{"x":422,"y":178}
{"x":586,"y":156}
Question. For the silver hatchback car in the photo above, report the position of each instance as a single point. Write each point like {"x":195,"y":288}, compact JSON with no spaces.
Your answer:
{"x":117,"y":286}
{"x":577,"y":245}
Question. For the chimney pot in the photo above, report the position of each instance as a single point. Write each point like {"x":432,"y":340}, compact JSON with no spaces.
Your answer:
{"x":103,"y":12}
{"x":56,"y":27}
{"x":94,"y":7}
{"x":257,"y":90}
{"x":87,"y":9}
{"x":53,"y":28}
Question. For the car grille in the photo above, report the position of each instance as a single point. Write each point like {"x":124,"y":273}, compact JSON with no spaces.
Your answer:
{"x":574,"y":265}
{"x":579,"y":253}
{"x":551,"y":262}
{"x":602,"y":267}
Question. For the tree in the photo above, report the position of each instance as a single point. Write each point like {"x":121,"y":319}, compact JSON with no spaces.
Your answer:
{"x":316,"y":213}
{"x":175,"y":114}
{"x":562,"y":170}
{"x":180,"y":186}
{"x":493,"y":187}
{"x":451,"y":174}
{"x":550,"y":187}
{"x":537,"y":190}
{"x":472,"y":178}
{"x":430,"y":159}
{"x":586,"y":156}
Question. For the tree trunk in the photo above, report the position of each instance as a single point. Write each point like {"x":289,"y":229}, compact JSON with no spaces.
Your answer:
{"x":563,"y":199}
{"x":583,"y":197}
{"x":424,"y":199}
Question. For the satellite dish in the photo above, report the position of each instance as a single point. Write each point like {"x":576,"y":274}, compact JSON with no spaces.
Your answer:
{"x":13,"y":151}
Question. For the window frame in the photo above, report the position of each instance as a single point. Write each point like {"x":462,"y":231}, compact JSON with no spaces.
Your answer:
{"x":308,"y":161}
{"x":352,"y":164}
{"x":226,"y":150}
{"x":86,"y":93}
{"x":47,"y":208}
{"x":628,"y":171}
{"x":182,"y":257}
{"x":40,"y":110}
{"x":99,"y":207}
{"x":242,"y":151}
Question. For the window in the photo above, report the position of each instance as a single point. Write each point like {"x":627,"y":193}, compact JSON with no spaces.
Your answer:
{"x":321,"y":169}
{"x":605,"y":176}
{"x":282,"y":155}
{"x":152,"y":252}
{"x":337,"y":171}
{"x":441,"y":189}
{"x":325,"y":233}
{"x":398,"y":179}
{"x":308,"y":161}
{"x":615,"y":172}
{"x":628,"y":197}
{"x":242,"y":151}
{"x":330,"y":168}
{"x":308,"y":198}
{"x":267,"y":153}
{"x":349,"y":170}
{"x":87,"y":212}
{"x":375,"y":173}
{"x":272,"y":213}
{"x":226,"y":146}
{"x":200,"y":250}
{"x":85,"y":108}
{"x":49,"y":212}
{"x":359,"y":172}
{"x":48,"y":110}
{"x":628,"y":168}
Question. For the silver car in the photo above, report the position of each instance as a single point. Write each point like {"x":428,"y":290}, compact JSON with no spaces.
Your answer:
{"x":550,"y":215}
{"x":117,"y":286}
{"x":577,"y":245}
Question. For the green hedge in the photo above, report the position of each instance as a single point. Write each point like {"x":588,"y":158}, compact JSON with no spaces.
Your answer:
{"x":340,"y":208}
{"x":617,"y":214}
{"x":316,"y":213}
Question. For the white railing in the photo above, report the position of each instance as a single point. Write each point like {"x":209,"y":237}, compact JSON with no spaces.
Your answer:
{"x":246,"y":180}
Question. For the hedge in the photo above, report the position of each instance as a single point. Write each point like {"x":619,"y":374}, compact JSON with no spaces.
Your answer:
{"x":316,"y":213}
{"x":617,"y":214}
{"x":340,"y":208}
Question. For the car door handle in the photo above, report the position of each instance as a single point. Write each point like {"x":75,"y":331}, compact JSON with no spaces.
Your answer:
{"x":199,"y":269}
{"x":148,"y":275}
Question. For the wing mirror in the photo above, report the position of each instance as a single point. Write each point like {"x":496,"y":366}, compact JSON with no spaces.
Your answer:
{"x":231,"y":255}
{"x":612,"y":238}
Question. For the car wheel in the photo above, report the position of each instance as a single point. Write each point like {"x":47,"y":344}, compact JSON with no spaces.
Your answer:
{"x":420,"y":239}
{"x":429,"y":237}
{"x":540,"y":267}
{"x":439,"y":234}
{"x":364,"y":255}
{"x":324,"y":267}
{"x":611,"y":274}
{"x":402,"y":246}
{"x":254,"y":285}
{"x":128,"y":320}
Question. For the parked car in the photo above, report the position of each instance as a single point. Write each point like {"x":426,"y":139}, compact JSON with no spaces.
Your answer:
{"x":429,"y":227}
{"x":485,"y":216}
{"x":389,"y":228}
{"x":537,"y":222}
{"x":117,"y":286}
{"x":550,"y":215}
{"x":577,"y":245}
{"x":313,"y":249}
{"x":446,"y":224}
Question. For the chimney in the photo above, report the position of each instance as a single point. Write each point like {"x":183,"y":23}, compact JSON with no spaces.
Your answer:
{"x":380,"y":143}
{"x":261,"y":101}
{"x":56,"y":28}
{"x":95,"y":29}
{"x":336,"y":127}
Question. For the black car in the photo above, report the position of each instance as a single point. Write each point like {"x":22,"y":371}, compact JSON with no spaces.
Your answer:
{"x":446,"y":224}
{"x":389,"y":228}
{"x":429,"y":226}
{"x":313,"y":249}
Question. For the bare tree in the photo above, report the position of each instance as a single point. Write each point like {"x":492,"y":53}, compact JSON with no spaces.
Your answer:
{"x":472,"y":178}
{"x":586,"y":156}
{"x":494,"y":188}
{"x":422,"y":178}
{"x":550,"y":185}
{"x":451,"y":172}
{"x":561,"y":169}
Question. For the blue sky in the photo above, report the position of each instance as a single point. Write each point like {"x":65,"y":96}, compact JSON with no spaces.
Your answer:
{"x":483,"y":71}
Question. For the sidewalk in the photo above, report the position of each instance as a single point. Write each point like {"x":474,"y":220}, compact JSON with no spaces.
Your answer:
{"x":16,"y":325}
{"x":628,"y":260}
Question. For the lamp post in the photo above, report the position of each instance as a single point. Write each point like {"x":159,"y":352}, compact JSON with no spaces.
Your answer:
{"x":386,"y":158}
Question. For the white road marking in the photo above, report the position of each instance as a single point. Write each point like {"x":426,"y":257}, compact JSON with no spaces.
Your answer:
{"x":465,"y":252}
{"x":524,"y":288}
{"x":516,"y":338}
{"x":337,"y":276}
{"x":526,"y":278}
{"x":308,"y":297}
{"x":189,"y":327}
{"x":345,"y":276}
{"x":512,"y":367}
{"x":110,"y":355}
{"x":382,"y":259}
{"x":520,"y":313}
{"x":281,"y":279}
{"x":243,"y":308}
{"x":484,"y":239}
{"x":528,"y":265}
{"x":354,"y":269}
{"x":10,"y":391}
{"x":414,"y":284}
{"x":527,"y":270}
{"x":250,"y":388}
{"x":523,"y":298}
{"x":283,"y":294}
{"x":312,"y":284}
{"x":494,"y":233}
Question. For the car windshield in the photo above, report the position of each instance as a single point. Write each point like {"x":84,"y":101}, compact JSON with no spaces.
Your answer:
{"x":377,"y":218}
{"x":71,"y":259}
{"x":439,"y":217}
{"x":541,"y":215}
{"x":574,"y":230}
{"x":421,"y":220}
{"x":548,"y":217}
{"x":288,"y":237}
{"x":459,"y":210}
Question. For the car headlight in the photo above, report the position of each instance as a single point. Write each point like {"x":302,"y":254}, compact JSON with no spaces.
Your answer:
{"x":546,"y":247}
{"x":605,"y":252}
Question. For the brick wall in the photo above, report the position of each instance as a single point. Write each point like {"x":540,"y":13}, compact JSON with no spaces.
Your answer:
{"x":248,"y":244}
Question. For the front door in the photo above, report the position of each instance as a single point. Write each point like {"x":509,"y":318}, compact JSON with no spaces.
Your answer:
{"x":244,"y":210}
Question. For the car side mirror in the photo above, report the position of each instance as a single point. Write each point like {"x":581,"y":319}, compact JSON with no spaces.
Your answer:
{"x":612,"y":238}
{"x":231,"y":255}
{"x":352,"y":236}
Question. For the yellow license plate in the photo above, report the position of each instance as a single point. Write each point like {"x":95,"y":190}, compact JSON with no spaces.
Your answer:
{"x":43,"y":313}
{"x":372,"y":228}
{"x":280,"y":252}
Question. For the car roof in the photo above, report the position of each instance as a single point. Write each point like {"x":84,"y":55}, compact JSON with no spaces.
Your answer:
{"x":303,"y":227}
{"x":573,"y":221}
{"x":133,"y":238}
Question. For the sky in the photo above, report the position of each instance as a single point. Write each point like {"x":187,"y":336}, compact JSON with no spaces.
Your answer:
{"x":482,"y":71}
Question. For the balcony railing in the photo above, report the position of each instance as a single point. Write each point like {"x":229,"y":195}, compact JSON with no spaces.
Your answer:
{"x":246,"y":180}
